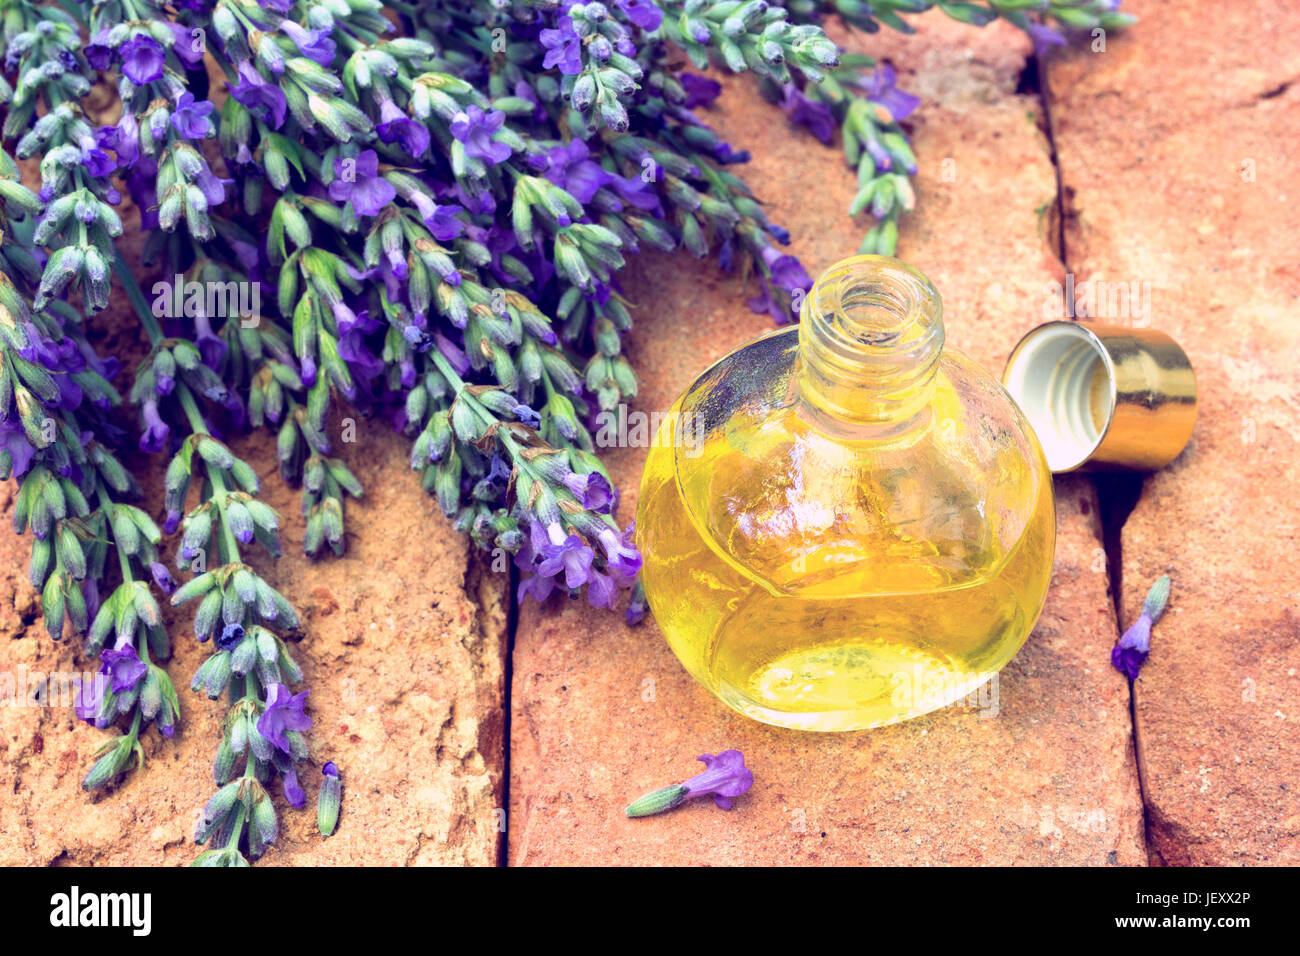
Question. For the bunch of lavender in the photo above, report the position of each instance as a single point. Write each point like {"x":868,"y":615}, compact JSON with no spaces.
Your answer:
{"x":53,"y":393}
{"x":442,"y":196}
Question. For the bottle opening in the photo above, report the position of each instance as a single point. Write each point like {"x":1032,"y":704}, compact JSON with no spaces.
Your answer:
{"x":870,"y":337}
{"x":1062,"y":378}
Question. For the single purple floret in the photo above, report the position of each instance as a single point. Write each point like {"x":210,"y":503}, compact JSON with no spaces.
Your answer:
{"x":592,"y":491}
{"x":563,"y":48}
{"x":142,"y":59}
{"x":191,"y":117}
{"x":163,"y":577}
{"x":313,"y":44}
{"x":154,"y":437}
{"x":124,"y":667}
{"x":231,"y":636}
{"x":726,"y":778}
{"x":475,"y":129}
{"x":284,"y":712}
{"x":293,"y":792}
{"x":813,"y":114}
{"x":700,"y":90}
{"x":396,"y":127}
{"x":1044,"y":38}
{"x":643,"y":13}
{"x":264,"y":100}
{"x":358,"y":181}
{"x":1131,"y":652}
{"x":881,"y":90}
{"x":572,"y":556}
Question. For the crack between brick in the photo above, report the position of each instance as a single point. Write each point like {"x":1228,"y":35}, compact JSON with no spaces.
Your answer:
{"x":512,"y":627}
{"x":1116,"y":495}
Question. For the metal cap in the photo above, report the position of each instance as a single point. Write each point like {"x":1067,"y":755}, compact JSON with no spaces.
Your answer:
{"x":1104,"y":396}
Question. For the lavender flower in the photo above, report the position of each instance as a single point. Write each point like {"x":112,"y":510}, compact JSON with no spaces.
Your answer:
{"x":313,"y":44}
{"x":396,"y":127}
{"x":813,"y":114}
{"x":563,"y":48}
{"x":284,"y":712}
{"x":1131,"y":652}
{"x":191,"y":118}
{"x":643,"y":13}
{"x":726,"y":778}
{"x":881,"y":90}
{"x":124,"y":667}
{"x":142,"y":59}
{"x":358,"y":182}
{"x":474,"y":129}
{"x":264,"y":100}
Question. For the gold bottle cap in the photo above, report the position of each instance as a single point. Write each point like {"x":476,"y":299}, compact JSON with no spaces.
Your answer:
{"x":1104,"y":396}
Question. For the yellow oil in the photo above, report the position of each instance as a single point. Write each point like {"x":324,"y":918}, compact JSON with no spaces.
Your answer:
{"x":877,"y":584}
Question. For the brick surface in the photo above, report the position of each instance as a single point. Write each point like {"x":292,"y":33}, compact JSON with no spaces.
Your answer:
{"x":1177,"y":150}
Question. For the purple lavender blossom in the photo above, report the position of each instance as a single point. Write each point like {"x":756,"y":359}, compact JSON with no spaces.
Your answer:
{"x":123,"y":666}
{"x":563,"y":48}
{"x":396,"y":127}
{"x":602,"y":590}
{"x":813,"y":114}
{"x":570,"y":555}
{"x":474,"y":129}
{"x":97,"y":162}
{"x":570,"y":168}
{"x":537,"y":586}
{"x":1044,"y":38}
{"x":284,"y":712}
{"x":264,"y":100}
{"x":313,"y":44}
{"x":882,"y":91}
{"x":358,"y":181}
{"x":293,"y":792}
{"x":191,"y":117}
{"x":142,"y":59}
{"x":232,"y":635}
{"x":1131,"y":652}
{"x":163,"y":577}
{"x":89,"y":702}
{"x":621,"y":557}
{"x":156,"y":432}
{"x":185,"y":44}
{"x":643,"y":13}
{"x":592,"y":491}
{"x":700,"y":90}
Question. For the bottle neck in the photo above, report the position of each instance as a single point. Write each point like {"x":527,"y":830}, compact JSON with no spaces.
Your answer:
{"x":870,"y":336}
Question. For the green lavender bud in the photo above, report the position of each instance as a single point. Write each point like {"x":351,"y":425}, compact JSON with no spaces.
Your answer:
{"x":329,"y":800}
{"x":70,"y":554}
{"x":205,"y":618}
{"x":117,"y":754}
{"x":218,"y":807}
{"x":224,"y":763}
{"x":53,"y":604}
{"x":464,"y":422}
{"x":42,"y":561}
{"x":1157,"y":598}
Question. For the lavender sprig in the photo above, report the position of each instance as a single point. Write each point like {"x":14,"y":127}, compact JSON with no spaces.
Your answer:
{"x":78,"y":222}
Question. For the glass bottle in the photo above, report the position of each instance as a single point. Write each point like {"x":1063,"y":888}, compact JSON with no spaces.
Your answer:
{"x":844,"y":524}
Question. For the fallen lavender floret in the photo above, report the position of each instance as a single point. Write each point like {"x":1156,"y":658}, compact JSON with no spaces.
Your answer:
{"x":726,"y":778}
{"x":1131,"y":652}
